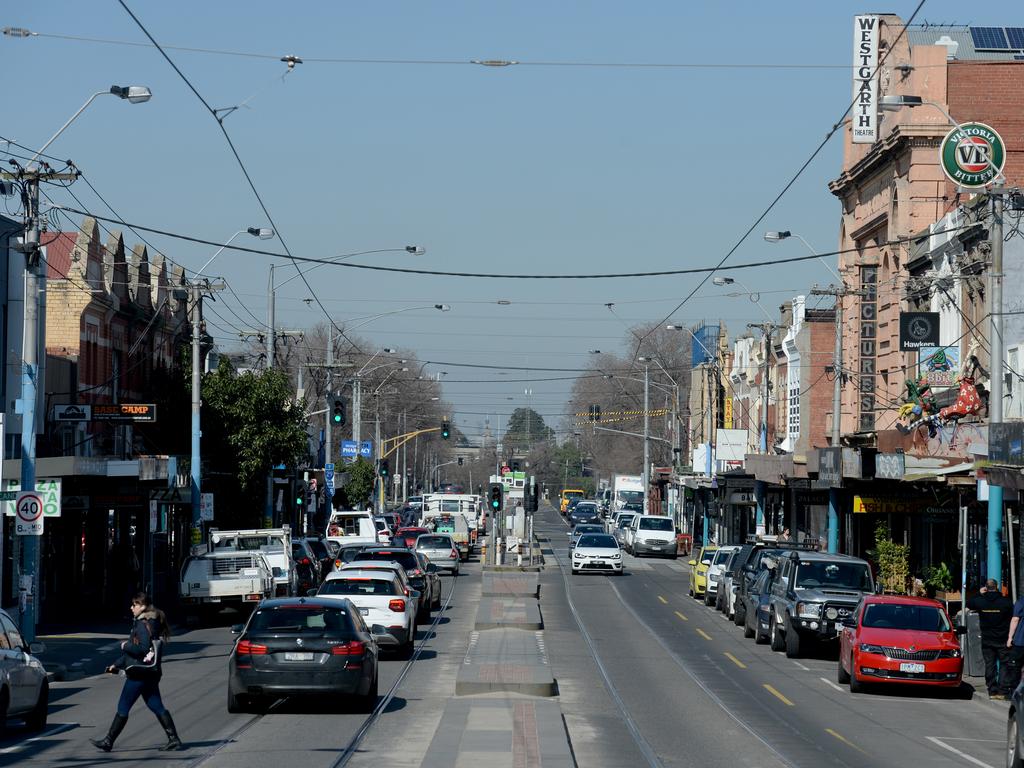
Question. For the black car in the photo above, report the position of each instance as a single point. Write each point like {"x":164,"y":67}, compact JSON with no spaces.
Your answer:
{"x":587,"y":512}
{"x":318,"y":547}
{"x":429,"y":588}
{"x":752,"y":565}
{"x":755,"y":603}
{"x":307,"y":567}
{"x":302,"y":646}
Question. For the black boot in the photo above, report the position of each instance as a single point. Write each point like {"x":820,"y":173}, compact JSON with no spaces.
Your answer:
{"x":173,"y":742}
{"x":107,"y":742}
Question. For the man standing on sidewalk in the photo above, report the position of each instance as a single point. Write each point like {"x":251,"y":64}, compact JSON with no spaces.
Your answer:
{"x":994,"y":612}
{"x":1015,"y":643}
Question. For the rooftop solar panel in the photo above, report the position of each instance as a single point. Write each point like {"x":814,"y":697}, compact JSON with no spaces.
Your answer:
{"x":1016,"y":37}
{"x":989,"y":38}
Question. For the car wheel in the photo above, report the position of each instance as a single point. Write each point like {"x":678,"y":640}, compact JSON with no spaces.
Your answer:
{"x":760,"y":638}
{"x":689,"y":591}
{"x":748,"y":631}
{"x":36,"y":719}
{"x":575,"y":572}
{"x":792,"y":641}
{"x":236,"y":703}
{"x":436,"y":605}
{"x":856,"y":686}
{"x":707,"y":599}
{"x":368,"y":702}
{"x":778,"y":642}
{"x":1013,"y":755}
{"x":739,"y":614}
{"x":3,"y":711}
{"x":842,"y":676}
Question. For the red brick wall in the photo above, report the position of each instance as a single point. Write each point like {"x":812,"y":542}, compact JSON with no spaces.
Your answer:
{"x":815,"y":423}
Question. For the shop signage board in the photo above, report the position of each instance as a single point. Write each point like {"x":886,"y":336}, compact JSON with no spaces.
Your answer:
{"x":1006,"y":443}
{"x":49,"y":489}
{"x":972,"y":155}
{"x":72,"y":413}
{"x":939,"y":365}
{"x":918,"y":330}
{"x":890,"y":466}
{"x":864,"y":117}
{"x":830,"y":468}
{"x":145,"y":412}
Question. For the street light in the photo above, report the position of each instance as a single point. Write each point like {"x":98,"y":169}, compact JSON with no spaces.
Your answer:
{"x":263,"y":233}
{"x":754,"y":296}
{"x":778,"y":237}
{"x":29,"y":352}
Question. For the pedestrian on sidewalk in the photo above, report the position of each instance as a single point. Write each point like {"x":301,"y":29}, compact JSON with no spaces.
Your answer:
{"x":994,"y":613}
{"x":1015,"y":642}
{"x":140,"y":663}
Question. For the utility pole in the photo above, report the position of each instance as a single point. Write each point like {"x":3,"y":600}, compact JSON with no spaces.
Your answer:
{"x":994,"y":560}
{"x":196,"y":292}
{"x":271,"y":331}
{"x":357,"y":410}
{"x":647,"y":433}
{"x":761,"y":487}
{"x":839,"y":292}
{"x":30,"y":177}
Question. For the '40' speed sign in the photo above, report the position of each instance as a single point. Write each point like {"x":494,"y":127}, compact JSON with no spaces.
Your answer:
{"x":28,"y":514}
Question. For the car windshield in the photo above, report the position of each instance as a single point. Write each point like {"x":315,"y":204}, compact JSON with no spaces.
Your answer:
{"x":581,"y":529}
{"x":814,"y":574}
{"x":657,"y":524}
{"x":924,"y":618}
{"x":625,"y":521}
{"x":433,"y":542}
{"x":598,"y":540}
{"x":406,"y":559}
{"x":358,"y":586}
{"x":721,"y":557}
{"x":706,"y":556}
{"x":301,"y":618}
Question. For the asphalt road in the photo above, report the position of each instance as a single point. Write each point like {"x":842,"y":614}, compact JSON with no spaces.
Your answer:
{"x":694,"y":687}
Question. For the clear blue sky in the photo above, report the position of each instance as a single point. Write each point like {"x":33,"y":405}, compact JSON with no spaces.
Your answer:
{"x":528,"y":168}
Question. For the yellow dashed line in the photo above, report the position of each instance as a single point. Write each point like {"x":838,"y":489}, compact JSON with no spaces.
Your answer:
{"x":663,"y":600}
{"x":681,"y":616}
{"x":703,"y":634}
{"x":735,"y":661}
{"x":845,"y":741}
{"x":778,"y":695}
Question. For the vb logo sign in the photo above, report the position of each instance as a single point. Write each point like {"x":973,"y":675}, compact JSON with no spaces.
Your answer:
{"x":972,"y":155}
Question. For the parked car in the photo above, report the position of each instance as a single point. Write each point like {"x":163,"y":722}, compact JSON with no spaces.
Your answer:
{"x":596,"y":552}
{"x":423,"y":580}
{"x":755,"y":606}
{"x":582,"y":528}
{"x":718,"y":565}
{"x":441,"y":550}
{"x":1015,"y":729}
{"x":811,"y":595}
{"x":23,"y":682}
{"x":381,"y":599}
{"x":899,"y":639}
{"x":620,"y":525}
{"x":726,"y":601}
{"x":652,"y":535}
{"x":636,"y":507}
{"x":762,"y":552}
{"x":699,"y":571}
{"x":292,"y":647}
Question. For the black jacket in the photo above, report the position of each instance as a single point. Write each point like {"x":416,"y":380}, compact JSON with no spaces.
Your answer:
{"x":994,"y":613}
{"x":145,"y":628}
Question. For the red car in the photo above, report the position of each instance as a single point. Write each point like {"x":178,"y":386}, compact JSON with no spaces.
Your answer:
{"x":898,"y":639}
{"x":409,"y":536}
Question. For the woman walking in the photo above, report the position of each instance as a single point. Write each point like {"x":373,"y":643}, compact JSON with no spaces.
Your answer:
{"x":140,"y":663}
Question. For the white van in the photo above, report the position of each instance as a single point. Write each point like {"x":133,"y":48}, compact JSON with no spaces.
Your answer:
{"x":351,"y":527}
{"x":652,"y":535}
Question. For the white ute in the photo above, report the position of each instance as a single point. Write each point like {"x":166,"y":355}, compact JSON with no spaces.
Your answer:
{"x":214,"y":580}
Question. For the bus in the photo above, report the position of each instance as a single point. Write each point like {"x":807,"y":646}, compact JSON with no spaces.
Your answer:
{"x":568,"y":494}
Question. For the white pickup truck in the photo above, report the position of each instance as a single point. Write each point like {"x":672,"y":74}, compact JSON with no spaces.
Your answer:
{"x":275,"y":544}
{"x":352,"y":527}
{"x":214,"y":580}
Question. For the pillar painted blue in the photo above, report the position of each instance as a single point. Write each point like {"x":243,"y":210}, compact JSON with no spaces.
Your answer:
{"x":994,"y":564}
{"x":761,"y":496}
{"x":833,"y":520}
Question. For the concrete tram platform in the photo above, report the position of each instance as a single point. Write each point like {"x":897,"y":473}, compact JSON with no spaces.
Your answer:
{"x":509,"y":613}
{"x":511,"y":584}
{"x":506,"y":660}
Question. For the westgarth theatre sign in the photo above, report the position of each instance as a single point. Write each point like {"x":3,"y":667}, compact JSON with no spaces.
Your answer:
{"x":865,"y":79}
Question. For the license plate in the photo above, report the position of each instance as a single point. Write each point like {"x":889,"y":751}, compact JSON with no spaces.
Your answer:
{"x":294,"y":656}
{"x":914,"y":669}
{"x":657,"y":549}
{"x":364,"y":611}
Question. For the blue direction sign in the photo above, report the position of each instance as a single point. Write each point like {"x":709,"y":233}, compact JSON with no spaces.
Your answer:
{"x":366,"y":448}
{"x":329,"y":478}
{"x":349,"y":448}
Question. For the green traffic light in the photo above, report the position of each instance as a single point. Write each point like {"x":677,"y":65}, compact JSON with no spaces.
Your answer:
{"x":337,"y":418}
{"x":494,"y":503}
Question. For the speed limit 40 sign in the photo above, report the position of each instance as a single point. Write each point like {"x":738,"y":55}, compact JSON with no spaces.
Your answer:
{"x":28,"y":514}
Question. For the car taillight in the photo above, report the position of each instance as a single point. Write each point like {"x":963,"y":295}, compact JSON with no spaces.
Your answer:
{"x":398,"y":606}
{"x":304,"y":561}
{"x":416,"y":572}
{"x":247,"y":648}
{"x":349,"y":648}
{"x":337,"y":563}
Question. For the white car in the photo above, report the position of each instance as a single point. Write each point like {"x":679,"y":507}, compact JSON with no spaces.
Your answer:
{"x":716,"y":572}
{"x":22,"y":678}
{"x":383,"y":531}
{"x":616,"y":526}
{"x":651,"y":535}
{"x":380,"y":598}
{"x":596,"y":553}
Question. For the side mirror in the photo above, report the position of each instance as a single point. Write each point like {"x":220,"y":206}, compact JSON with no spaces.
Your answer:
{"x":431,"y":568}
{"x":277,"y":572}
{"x":311,"y":593}
{"x":378,"y":629}
{"x":36,"y":648}
{"x":959,"y":629}
{"x":692,"y":563}
{"x":236,"y":629}
{"x":878,"y":589}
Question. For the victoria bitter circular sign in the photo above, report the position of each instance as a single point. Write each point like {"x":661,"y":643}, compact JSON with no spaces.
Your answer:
{"x":972,"y":154}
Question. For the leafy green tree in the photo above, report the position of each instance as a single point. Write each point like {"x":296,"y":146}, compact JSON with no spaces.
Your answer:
{"x":525,"y":429}
{"x":250,"y":424}
{"x":360,"y":483}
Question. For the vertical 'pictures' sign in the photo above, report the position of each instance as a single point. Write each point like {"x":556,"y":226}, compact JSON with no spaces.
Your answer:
{"x":865,"y":80}
{"x":868,"y":346}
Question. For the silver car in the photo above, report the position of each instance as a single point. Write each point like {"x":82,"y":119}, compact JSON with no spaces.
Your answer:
{"x":622,"y":521}
{"x":441,"y":550}
{"x":22,"y":677}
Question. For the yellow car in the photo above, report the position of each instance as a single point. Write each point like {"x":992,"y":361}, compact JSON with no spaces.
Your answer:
{"x":699,"y":571}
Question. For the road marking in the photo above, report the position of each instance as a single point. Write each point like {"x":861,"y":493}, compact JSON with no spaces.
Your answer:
{"x":681,"y":616}
{"x":111,"y":647}
{"x":703,"y":634}
{"x":778,"y":695}
{"x":805,"y":669}
{"x":845,"y":740}
{"x":964,"y":755}
{"x":735,"y":661}
{"x":663,"y":600}
{"x":832,"y":685}
{"x":44,"y":735}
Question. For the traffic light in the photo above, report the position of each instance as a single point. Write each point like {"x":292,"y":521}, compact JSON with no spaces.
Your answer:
{"x":338,"y":412}
{"x":494,"y":496}
{"x":382,"y":468}
{"x":301,"y":489}
{"x":460,"y":461}
{"x":530,"y":497}
{"x":594,"y":413}
{"x":445,"y":430}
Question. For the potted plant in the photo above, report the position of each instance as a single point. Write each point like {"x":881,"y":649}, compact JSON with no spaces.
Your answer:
{"x":893,"y":562}
{"x":939,"y":582}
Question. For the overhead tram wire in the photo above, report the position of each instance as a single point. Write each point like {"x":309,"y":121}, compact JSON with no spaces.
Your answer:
{"x":245,"y":171}
{"x":835,"y":128}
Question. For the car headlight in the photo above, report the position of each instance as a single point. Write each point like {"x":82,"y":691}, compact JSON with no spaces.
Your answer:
{"x":616,"y":556}
{"x":867,"y":648}
{"x":811,"y":610}
{"x":951,"y":653}
{"x":577,"y":556}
